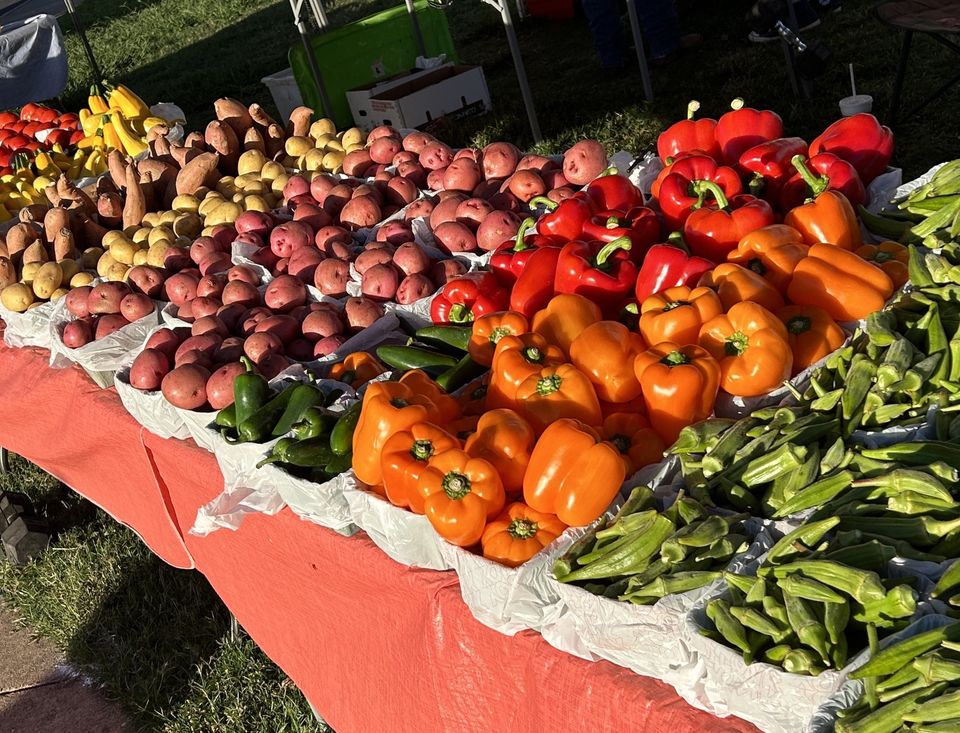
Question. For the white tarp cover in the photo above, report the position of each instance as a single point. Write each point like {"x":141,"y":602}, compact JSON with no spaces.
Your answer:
{"x":33,"y":61}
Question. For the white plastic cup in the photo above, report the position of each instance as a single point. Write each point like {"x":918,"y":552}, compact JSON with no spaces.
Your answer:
{"x":856,"y":104}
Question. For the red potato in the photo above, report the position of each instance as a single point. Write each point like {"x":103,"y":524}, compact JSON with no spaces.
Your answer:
{"x":474,"y":154}
{"x":180,"y":288}
{"x":149,"y":369}
{"x":212,"y":264}
{"x":251,"y":318}
{"x":135,"y":306}
{"x":251,"y":238}
{"x":76,"y":334}
{"x":445,"y":270}
{"x":176,"y":260}
{"x":327,"y":346}
{"x":265,"y":257}
{"x":285,"y":328}
{"x":401,"y":191}
{"x":382,"y":131}
{"x":453,"y":237}
{"x":372,"y":257}
{"x":302,"y":200}
{"x":209,"y":324}
{"x":446,"y":210}
{"x":462,"y":175}
{"x":186,"y":386}
{"x":303,"y":263}
{"x":144,"y":279}
{"x":260,"y":346}
{"x":230,"y":350}
{"x":212,"y":285}
{"x":436,"y":155}
{"x":362,"y":312}
{"x":106,"y":297}
{"x":185,"y":312}
{"x":241,"y":272}
{"x":302,"y":311}
{"x":416,"y":141}
{"x":337,"y":198}
{"x":377,"y":245}
{"x":273,"y":365}
{"x":435,"y":179}
{"x":500,"y":160}
{"x":335,"y":249}
{"x":496,"y":228}
{"x":166,"y":341}
{"x":300,"y":350}
{"x":472,"y":212}
{"x":320,"y":324}
{"x":414,"y":172}
{"x":414,"y":287}
{"x":232,"y":315}
{"x":357,"y":162}
{"x":486,"y":189}
{"x":381,"y":172}
{"x":405,"y":156}
{"x":206,"y":343}
{"x":219,"y":387}
{"x":526,"y":184}
{"x":224,"y":235}
{"x":384,"y":148}
{"x":204,"y":305}
{"x":583,"y":162}
{"x":288,"y":237}
{"x":312,"y":215}
{"x":331,"y":277}
{"x":109,"y":324}
{"x":195,"y":356}
{"x":365,"y":189}
{"x":193,"y":272}
{"x":295,"y":186}
{"x":419,"y":208}
{"x":256,"y":222}
{"x":239,"y":291}
{"x":332,"y":233}
{"x":506,"y":201}
{"x":411,"y":259}
{"x":554,"y":179}
{"x":536,"y":163}
{"x":395,"y":232}
{"x":280,"y":268}
{"x":320,"y":186}
{"x":561,"y":194}
{"x":361,"y":212}
{"x":284,"y":294}
{"x":78,"y":301}
{"x":380,"y":282}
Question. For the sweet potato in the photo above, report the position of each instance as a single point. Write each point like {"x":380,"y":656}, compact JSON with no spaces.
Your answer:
{"x":361,"y":212}
{"x":284,"y":294}
{"x":298,"y":124}
{"x":221,"y":138}
{"x":500,"y":160}
{"x":462,"y":175}
{"x":20,"y":236}
{"x":234,"y":113}
{"x":413,"y":288}
{"x":109,"y":210}
{"x":495,"y":228}
{"x":201,"y":171}
{"x":443,"y":271}
{"x":331,"y":277}
{"x":64,"y":247}
{"x":135,"y":306}
{"x":53,"y":221}
{"x":453,"y":237}
{"x":260,"y":117}
{"x":253,"y":140}
{"x":219,"y":387}
{"x":583,"y":162}
{"x":186,"y":386}
{"x":273,"y":139}
{"x":149,"y":369}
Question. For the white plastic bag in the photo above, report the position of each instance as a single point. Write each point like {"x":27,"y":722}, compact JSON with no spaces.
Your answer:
{"x":31,"y":328}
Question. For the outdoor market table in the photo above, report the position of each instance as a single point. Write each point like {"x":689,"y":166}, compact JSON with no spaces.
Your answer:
{"x":372,"y":644}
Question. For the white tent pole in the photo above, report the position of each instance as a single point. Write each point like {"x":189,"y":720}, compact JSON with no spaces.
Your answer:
{"x":297,"y":7}
{"x":641,"y":52}
{"x":525,"y":93}
{"x":417,"y":33}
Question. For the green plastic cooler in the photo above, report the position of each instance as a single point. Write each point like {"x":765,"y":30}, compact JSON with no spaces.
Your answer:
{"x":366,"y":51}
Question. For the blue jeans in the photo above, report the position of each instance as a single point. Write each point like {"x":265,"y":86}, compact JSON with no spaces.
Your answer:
{"x":658,"y":19}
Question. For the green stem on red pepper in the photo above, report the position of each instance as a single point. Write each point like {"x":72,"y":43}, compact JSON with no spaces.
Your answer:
{"x":525,"y":226}
{"x":548,"y":203}
{"x":817,"y":184}
{"x":702,"y":187}
{"x":602,"y":259}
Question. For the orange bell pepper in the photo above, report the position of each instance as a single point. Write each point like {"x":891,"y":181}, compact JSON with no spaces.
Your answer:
{"x":735,"y":284}
{"x":811,"y":333}
{"x":772,"y":252}
{"x":515,"y":359}
{"x":564,"y":318}
{"x":680,"y":384}
{"x":405,"y":455}
{"x":505,"y":440}
{"x":518,"y":534}
{"x":447,"y":406}
{"x":357,"y":369}
{"x":473,"y":396}
{"x":460,"y":494}
{"x":828,"y":218}
{"x":638,"y":443}
{"x":891,"y":257}
{"x":837,"y":280}
{"x":605,"y":351}
{"x":555,"y":392}
{"x":676,"y":314}
{"x":750,"y":343}
{"x":489,"y":329}
{"x":636,"y":406}
{"x":463,"y":427}
{"x":388,"y":408}
{"x":572,"y":473}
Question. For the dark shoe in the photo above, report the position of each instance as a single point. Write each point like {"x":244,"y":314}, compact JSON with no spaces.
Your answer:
{"x":807,"y":19}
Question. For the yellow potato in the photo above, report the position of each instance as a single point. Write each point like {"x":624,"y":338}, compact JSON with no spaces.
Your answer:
{"x":185,"y":203}
{"x":207,"y":231}
{"x":297,"y":146}
{"x":140,"y":257}
{"x":58,"y":293}
{"x":251,"y":162}
{"x":35,"y":304}
{"x":256,"y":203}
{"x":332,"y":161}
{"x":321,"y":140}
{"x":90,"y":257}
{"x":323,"y":126}
{"x":201,"y":192}
{"x":353,"y":136}
{"x":81,"y":279}
{"x":150,"y":219}
{"x":29,"y":272}
{"x":104,"y":264}
{"x":117,"y":272}
{"x":123,"y":252}
{"x":210,"y":203}
{"x":69,"y":269}
{"x":225,"y":213}
{"x":131,"y":230}
{"x":168,"y":217}
{"x":161,"y":232}
{"x":187,"y":225}
{"x":141,"y":235}
{"x":333,"y":146}
{"x":155,"y":254}
{"x":277,"y":184}
{"x":114,"y":236}
{"x":226,"y":186}
{"x":47,"y":280}
{"x":271,"y":169}
{"x":312,"y":160}
{"x":17,"y":297}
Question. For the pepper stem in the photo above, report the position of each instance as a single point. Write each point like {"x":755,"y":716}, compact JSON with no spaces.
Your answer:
{"x":455,"y":485}
{"x":460,"y":313}
{"x":533,"y":354}
{"x":548,"y":385}
{"x":525,"y":226}
{"x":675,"y":239}
{"x":693,"y":106}
{"x":247,"y":363}
{"x":612,"y":222}
{"x":399,"y":403}
{"x":421,"y":449}
{"x":817,"y":184}
{"x":737,"y":343}
{"x":703,"y":187}
{"x":675,"y":358}
{"x":498,"y":333}
{"x":757,"y":266}
{"x":348,"y":377}
{"x":799,"y":324}
{"x":737,"y":103}
{"x":611,"y":171}
{"x":675,"y":304}
{"x":548,"y":203}
{"x":621,"y":442}
{"x":608,"y":250}
{"x":632,"y":308}
{"x":757,"y":184}
{"x":522,"y":529}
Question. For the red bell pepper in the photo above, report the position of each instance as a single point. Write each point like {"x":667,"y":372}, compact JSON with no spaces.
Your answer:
{"x":770,"y":164}
{"x":668,"y":266}
{"x":714,"y":231}
{"x":535,"y":284}
{"x":836,"y":174}
{"x":564,"y":220}
{"x":640,"y":225}
{"x":592,"y":270}
{"x":509,"y":259}
{"x":613,"y":192}
{"x":677,"y":197}
{"x":743,"y":127}
{"x":861,"y":141}
{"x":689,"y":135}
{"x":466,"y":298}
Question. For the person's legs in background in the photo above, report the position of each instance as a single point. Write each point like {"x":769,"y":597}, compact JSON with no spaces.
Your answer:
{"x":661,"y":27}
{"x":603,"y":17}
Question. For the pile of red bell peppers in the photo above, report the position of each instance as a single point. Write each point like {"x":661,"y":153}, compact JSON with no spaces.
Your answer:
{"x":721,"y":180}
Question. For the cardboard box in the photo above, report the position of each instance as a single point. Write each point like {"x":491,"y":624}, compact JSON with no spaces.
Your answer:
{"x":359,"y":99}
{"x":421,"y":98}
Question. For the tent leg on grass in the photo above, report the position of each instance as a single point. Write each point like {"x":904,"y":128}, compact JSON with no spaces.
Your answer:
{"x":4,"y":460}
{"x":97,"y":76}
{"x":297,"y":7}
{"x":504,"y":8}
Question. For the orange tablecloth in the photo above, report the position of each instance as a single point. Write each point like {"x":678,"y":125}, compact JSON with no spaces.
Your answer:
{"x":372,"y":644}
